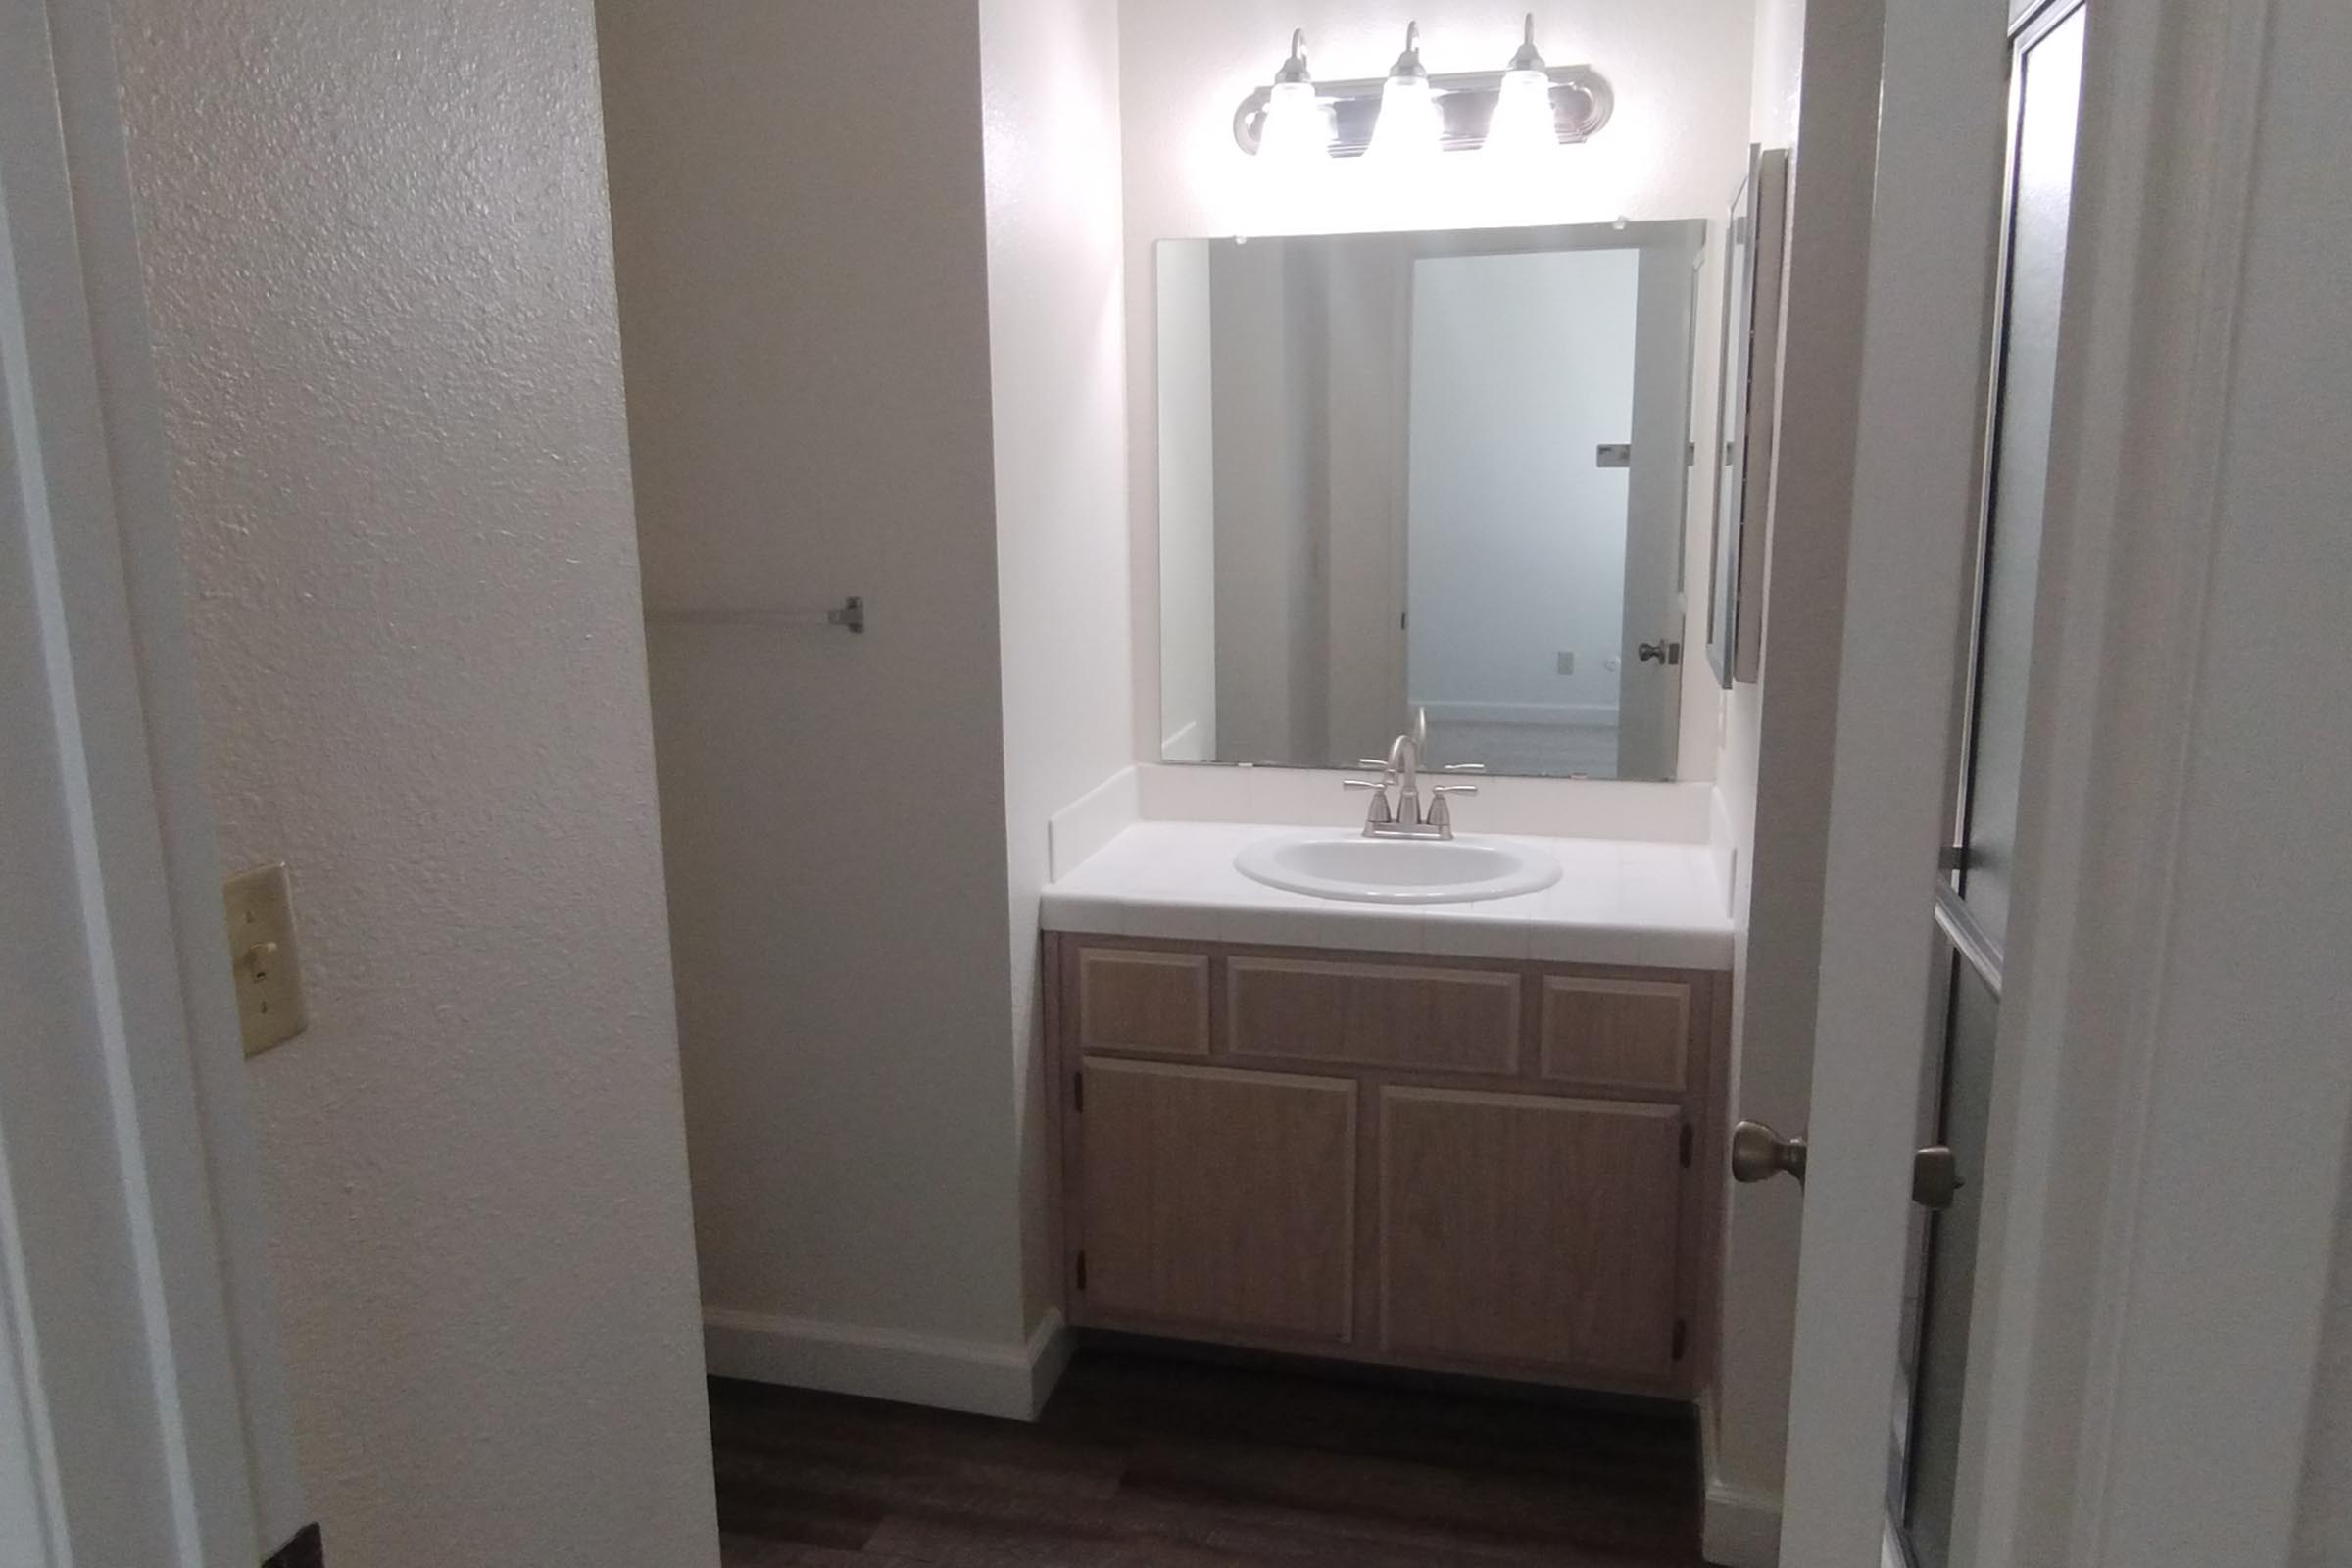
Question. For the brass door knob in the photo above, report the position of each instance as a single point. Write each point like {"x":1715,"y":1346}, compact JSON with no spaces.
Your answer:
{"x":1759,"y":1154}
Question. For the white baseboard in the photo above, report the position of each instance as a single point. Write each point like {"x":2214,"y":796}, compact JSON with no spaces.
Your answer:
{"x":1012,"y":1381}
{"x":1740,"y":1528}
{"x":1051,"y":1344}
{"x":1601,"y":715}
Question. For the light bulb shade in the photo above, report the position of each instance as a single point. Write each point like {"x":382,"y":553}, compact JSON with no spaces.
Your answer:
{"x":1523,"y":127}
{"x":1297,"y":126}
{"x":1409,"y":132}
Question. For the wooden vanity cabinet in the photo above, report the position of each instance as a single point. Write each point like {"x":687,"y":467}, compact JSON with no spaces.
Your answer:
{"x":1220,"y":1197}
{"x":1452,"y":1164}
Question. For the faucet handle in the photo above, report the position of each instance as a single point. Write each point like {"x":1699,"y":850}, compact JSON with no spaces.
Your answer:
{"x":1463,"y":768}
{"x":1380,"y":762}
{"x":1362,"y":784}
{"x":1440,"y":809}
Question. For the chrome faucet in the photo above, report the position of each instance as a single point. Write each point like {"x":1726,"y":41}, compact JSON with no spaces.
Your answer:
{"x":1401,"y":771}
{"x":1405,"y":766}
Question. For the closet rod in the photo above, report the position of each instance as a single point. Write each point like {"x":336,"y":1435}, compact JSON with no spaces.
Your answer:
{"x":850,"y":614}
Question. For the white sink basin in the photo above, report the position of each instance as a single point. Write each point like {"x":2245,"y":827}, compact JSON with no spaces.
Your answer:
{"x":1331,"y":864}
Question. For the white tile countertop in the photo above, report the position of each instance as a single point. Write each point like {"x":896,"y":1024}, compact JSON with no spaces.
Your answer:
{"x":1617,"y":902}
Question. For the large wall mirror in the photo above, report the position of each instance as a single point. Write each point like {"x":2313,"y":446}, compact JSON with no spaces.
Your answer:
{"x":1441,"y":473}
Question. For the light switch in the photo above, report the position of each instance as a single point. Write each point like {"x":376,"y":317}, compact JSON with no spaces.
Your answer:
{"x":1568,"y":661}
{"x":264,"y":961}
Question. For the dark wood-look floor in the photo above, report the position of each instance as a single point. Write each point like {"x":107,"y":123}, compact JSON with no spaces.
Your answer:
{"x":1142,"y":1462}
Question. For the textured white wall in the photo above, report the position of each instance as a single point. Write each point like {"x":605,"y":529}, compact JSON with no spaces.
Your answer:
{"x":801,"y":241}
{"x":378,"y":265}
{"x":1056,"y":317}
{"x":2324,"y":1538}
{"x":2244,"y":1003}
{"x":2291,"y":460}
{"x":871,"y":282}
{"x":1675,"y":148}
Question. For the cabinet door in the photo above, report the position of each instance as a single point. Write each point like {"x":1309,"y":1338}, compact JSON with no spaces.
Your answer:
{"x":1521,"y":1228}
{"x":1222,"y":1199}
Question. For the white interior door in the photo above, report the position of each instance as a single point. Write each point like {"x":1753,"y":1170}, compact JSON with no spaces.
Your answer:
{"x":2169,"y":1118}
{"x":1657,"y":490}
{"x":1926,"y":311}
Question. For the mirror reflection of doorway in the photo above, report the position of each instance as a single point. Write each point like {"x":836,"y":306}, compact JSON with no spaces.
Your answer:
{"x":1522,"y":370}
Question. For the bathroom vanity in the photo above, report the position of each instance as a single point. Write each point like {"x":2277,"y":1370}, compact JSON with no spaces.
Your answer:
{"x":1393,"y":1095}
{"x":1472,"y":1137}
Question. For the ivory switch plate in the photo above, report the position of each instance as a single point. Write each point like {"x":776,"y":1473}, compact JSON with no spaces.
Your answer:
{"x":264,"y":961}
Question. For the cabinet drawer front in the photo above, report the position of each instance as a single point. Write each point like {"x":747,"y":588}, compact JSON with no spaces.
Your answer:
{"x":1527,"y":1229}
{"x":1617,"y":1034}
{"x":1129,"y":1000}
{"x":1373,"y":1015}
{"x":1220,"y":1199}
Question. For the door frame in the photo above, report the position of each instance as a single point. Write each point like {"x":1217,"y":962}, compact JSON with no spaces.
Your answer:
{"x":2116,"y":1416}
{"x":143,"y":1409}
{"x":2118,"y":1409}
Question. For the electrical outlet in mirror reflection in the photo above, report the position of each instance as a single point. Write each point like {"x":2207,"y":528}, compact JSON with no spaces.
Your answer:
{"x":265,"y":965}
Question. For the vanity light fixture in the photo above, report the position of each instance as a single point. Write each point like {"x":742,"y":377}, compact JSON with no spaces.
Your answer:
{"x":1409,"y":132}
{"x":1294,"y":123}
{"x":1297,"y":118}
{"x":1523,"y":127}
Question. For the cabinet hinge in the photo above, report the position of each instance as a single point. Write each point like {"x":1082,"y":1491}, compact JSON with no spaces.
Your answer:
{"x":1078,"y":1091}
{"x":1690,"y":1138}
{"x":1682,"y":1337}
{"x":1082,"y":1268}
